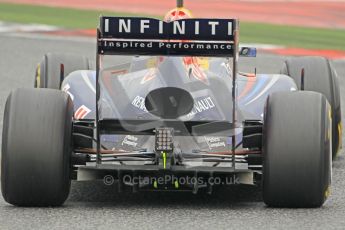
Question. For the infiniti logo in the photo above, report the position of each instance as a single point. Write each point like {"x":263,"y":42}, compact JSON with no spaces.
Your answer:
{"x":187,"y":29}
{"x":178,"y":27}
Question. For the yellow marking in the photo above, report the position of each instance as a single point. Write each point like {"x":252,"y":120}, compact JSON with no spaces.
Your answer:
{"x":164,"y":160}
{"x":176,"y":184}
{"x":38,"y":77}
{"x":340,"y":135}
{"x":328,"y":192}
{"x":330,"y":124}
{"x":155,"y":184}
{"x":203,"y":63}
{"x":151,"y":63}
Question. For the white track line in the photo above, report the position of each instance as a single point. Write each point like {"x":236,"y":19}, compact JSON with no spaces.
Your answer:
{"x":16,"y":27}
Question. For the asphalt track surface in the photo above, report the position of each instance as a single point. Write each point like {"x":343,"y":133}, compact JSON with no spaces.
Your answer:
{"x":96,"y":206}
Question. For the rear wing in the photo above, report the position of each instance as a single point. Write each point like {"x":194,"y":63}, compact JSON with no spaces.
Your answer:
{"x":188,"y":37}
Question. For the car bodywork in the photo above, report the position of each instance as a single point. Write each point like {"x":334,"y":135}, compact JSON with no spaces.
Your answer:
{"x":218,"y":136}
{"x":208,"y":103}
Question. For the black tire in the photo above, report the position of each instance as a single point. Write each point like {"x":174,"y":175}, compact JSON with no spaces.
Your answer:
{"x":320,"y":77}
{"x":48,"y":71}
{"x":36,"y":147}
{"x":297,"y":150}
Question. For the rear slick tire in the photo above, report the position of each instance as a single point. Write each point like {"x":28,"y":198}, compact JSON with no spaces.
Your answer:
{"x":297,"y":143}
{"x":36,"y":147}
{"x":321,"y":77}
{"x":48,"y":71}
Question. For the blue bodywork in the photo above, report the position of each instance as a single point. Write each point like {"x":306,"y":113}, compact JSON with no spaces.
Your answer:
{"x":124,"y":88}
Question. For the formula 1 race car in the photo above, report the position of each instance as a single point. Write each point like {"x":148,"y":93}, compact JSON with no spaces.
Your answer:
{"x":177,"y":115}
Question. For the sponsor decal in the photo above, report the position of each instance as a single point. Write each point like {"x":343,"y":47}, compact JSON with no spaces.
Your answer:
{"x":130,"y":140}
{"x":149,"y":28}
{"x":81,"y":112}
{"x":202,"y":105}
{"x":139,"y":102}
{"x":214,"y":142}
{"x":182,"y":46}
{"x":144,"y":36}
